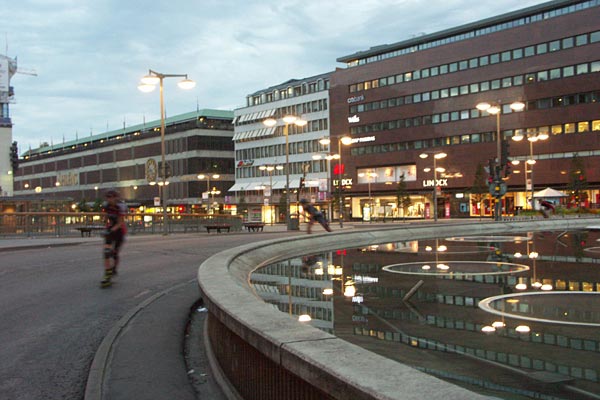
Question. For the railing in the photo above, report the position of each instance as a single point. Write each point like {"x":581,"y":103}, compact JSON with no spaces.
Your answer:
{"x":34,"y":224}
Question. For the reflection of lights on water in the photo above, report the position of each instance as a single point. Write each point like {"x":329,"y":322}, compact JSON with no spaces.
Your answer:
{"x":319,"y":271}
{"x":498,"y":324}
{"x":328,"y":291}
{"x":546,"y":286}
{"x":522,"y":329}
{"x":426,"y":267}
{"x":512,"y":301}
{"x":442,"y":248}
{"x":304,"y":318}
{"x":533,"y":254}
{"x":536,"y":284}
{"x":339,"y":270}
{"x":521,"y":286}
{"x":331,"y":269}
{"x":518,"y":255}
{"x":488,"y":329}
{"x":428,"y":248}
{"x":443,"y":267}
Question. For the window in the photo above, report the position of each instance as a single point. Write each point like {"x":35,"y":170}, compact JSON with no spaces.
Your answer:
{"x":453,"y":67}
{"x":425,"y":73}
{"x":435,"y":94}
{"x":555,"y":73}
{"x":569,"y":128}
{"x":407,"y":76}
{"x":529,"y":51}
{"x":542,"y":76}
{"x":473,"y":63}
{"x":595,"y":37}
{"x":474,"y":88}
{"x":583,"y":127}
{"x":517,"y":53}
{"x":399,"y":78}
{"x":557,"y":129}
{"x":568,"y":43}
{"x":444,"y":69}
{"x":496,"y":84}
{"x":453,"y":91}
{"x":581,"y":40}
{"x":464,"y":89}
{"x":426,"y":96}
{"x":505,"y":56}
{"x":542,"y":48}
{"x":596,"y":125}
{"x":530,"y":78}
{"x":484,"y":86}
{"x":518,"y":80}
{"x":495,"y":58}
{"x":582,"y":69}
{"x":506,"y":82}
{"x":484,"y":60}
{"x":568,"y":71}
{"x":595,"y":66}
{"x":462,"y":65}
{"x":555,"y":45}
{"x":444,"y":93}
{"x":464,"y":114}
{"x":434,"y":71}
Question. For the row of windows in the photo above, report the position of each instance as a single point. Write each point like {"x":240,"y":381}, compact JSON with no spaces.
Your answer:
{"x":482,"y":61}
{"x":296,"y":168}
{"x":494,"y":84}
{"x":477,"y":32}
{"x":278,"y":150}
{"x":486,"y":137}
{"x":289,"y":92}
{"x":297,"y":109}
{"x":550,"y":102}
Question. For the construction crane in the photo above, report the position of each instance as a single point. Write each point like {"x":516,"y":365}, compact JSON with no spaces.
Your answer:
{"x":25,"y":71}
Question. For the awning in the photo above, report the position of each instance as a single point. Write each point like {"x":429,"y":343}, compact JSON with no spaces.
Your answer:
{"x":549,"y":192}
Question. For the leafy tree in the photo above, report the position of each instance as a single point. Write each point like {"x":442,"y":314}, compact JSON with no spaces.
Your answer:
{"x":97,"y":207}
{"x":82,"y":206}
{"x":283,"y":207}
{"x":243,"y":205}
{"x":577,"y":180}
{"x":480,"y":187}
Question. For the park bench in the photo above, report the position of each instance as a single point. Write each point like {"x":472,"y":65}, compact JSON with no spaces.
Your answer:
{"x":87,"y":230}
{"x":217,"y":227}
{"x":254,"y":226}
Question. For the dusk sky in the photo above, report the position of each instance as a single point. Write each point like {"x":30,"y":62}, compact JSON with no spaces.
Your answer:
{"x":90,"y":55}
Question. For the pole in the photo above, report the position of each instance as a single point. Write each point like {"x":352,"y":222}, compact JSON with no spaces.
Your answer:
{"x":162,"y":156}
{"x":341,"y":201}
{"x":531,"y":173}
{"x":498,"y":207}
{"x":288,"y":220}
{"x":271,"y":194}
{"x":435,"y":212}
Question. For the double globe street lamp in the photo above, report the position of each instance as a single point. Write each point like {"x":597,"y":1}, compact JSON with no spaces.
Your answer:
{"x":148,"y":84}
{"x":436,"y":156}
{"x":287,"y":120}
{"x":531,"y":161}
{"x":270,"y":169}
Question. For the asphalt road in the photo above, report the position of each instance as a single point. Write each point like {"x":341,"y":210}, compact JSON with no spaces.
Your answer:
{"x":53,"y":314}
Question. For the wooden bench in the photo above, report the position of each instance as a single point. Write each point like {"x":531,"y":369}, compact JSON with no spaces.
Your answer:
{"x":217,"y":227}
{"x":87,"y":230}
{"x":254,"y":226}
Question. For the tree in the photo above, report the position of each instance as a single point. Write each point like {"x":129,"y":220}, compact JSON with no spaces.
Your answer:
{"x":577,"y":180}
{"x":283,"y":207}
{"x":480,"y":187}
{"x":243,"y":205}
{"x":402,"y":196}
{"x":82,"y":206}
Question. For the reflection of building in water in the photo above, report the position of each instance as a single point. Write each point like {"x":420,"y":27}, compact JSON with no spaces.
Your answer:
{"x":273,"y":284}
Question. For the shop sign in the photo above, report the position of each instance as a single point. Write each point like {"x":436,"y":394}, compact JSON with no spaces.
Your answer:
{"x":245,"y":163}
{"x":356,"y":99}
{"x":345,"y":182}
{"x":68,"y":179}
{"x":363,"y":139}
{"x":353,"y":119}
{"x":432,"y":182}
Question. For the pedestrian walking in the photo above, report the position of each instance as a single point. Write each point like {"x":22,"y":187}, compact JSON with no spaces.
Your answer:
{"x":114,"y":211}
{"x":314,"y":215}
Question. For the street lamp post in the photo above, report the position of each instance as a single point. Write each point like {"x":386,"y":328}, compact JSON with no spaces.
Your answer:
{"x":287,"y":120}
{"x":436,"y":156}
{"x":369,"y":175}
{"x":148,"y":83}
{"x":531,"y":161}
{"x":496,"y":109}
{"x":344,"y":140}
{"x":207,"y":177}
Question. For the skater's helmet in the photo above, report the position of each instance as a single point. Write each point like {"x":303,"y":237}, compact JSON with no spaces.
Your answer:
{"x":303,"y":201}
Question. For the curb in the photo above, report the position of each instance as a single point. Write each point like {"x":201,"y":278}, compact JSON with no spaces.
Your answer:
{"x":94,"y":389}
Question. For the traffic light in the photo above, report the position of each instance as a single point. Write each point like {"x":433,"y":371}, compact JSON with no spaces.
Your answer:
{"x":507,"y":170}
{"x":504,"y":153}
{"x":492,"y":169}
{"x":301,"y":182}
{"x":14,"y":156}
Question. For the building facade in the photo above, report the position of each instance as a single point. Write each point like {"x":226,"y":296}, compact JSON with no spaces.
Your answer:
{"x":260,"y":151}
{"x":419,"y":97}
{"x":129,"y":160}
{"x":8,"y":67}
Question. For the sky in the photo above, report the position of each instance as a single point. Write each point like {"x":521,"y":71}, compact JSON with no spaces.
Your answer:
{"x":90,"y":55}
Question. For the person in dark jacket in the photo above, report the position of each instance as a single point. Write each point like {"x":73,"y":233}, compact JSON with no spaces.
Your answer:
{"x":314,"y":215}
{"x":114,"y":235}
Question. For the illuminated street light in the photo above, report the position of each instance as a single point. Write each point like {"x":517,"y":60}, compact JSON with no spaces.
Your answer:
{"x":344,"y":140}
{"x":532,"y":138}
{"x":270,"y":169}
{"x":436,"y":156}
{"x":287,"y":120}
{"x":148,"y":84}
{"x":208,"y":178}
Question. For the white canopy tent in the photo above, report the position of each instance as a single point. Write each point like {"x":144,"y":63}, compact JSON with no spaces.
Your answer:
{"x":549,"y":193}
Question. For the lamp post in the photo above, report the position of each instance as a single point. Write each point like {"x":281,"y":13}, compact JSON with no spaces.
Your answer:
{"x":328,"y":156}
{"x":531,"y":161}
{"x":148,"y":83}
{"x":436,"y":156}
{"x":344,"y":140}
{"x":287,"y":120}
{"x":212,"y":194}
{"x":207,"y":177}
{"x":496,"y":109}
{"x":270,"y":169}
{"x":369,"y":175}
